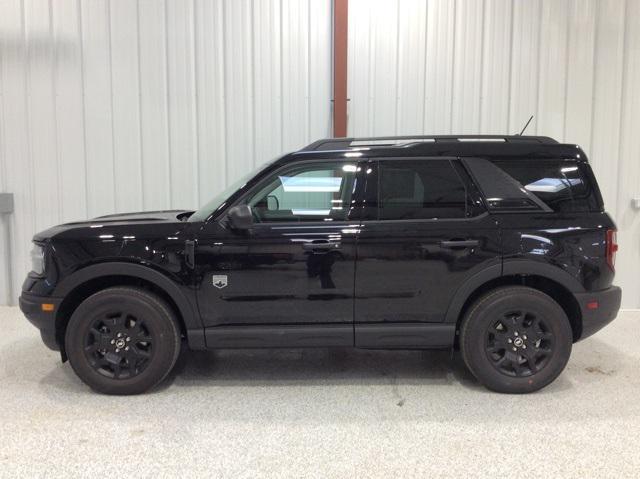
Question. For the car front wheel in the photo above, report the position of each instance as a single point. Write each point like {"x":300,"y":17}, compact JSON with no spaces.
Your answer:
{"x":122,"y":340}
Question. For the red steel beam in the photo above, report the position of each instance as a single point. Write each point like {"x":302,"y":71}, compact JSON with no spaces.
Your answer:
{"x":340,"y":32}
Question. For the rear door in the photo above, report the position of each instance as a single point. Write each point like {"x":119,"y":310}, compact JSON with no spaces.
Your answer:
{"x":423,"y":233}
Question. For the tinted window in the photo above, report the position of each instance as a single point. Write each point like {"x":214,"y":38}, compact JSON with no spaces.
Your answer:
{"x":419,"y":189}
{"x":320,"y":192}
{"x":557,"y":183}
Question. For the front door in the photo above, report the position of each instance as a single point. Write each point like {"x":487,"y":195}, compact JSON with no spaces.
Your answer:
{"x":424,"y":233}
{"x":289,"y":280}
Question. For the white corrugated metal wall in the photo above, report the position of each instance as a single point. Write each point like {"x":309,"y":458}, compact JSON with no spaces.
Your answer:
{"x":110,"y":106}
{"x":129,"y":105}
{"x":485,"y":66}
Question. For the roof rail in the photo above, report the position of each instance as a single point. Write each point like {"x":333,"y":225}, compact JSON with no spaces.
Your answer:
{"x":408,"y":141}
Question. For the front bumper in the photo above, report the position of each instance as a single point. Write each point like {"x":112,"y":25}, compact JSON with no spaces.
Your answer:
{"x":598,"y":308}
{"x":45,"y":321}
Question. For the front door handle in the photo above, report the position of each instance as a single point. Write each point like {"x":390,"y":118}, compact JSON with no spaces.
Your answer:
{"x":459,"y":243}
{"x":320,"y":245}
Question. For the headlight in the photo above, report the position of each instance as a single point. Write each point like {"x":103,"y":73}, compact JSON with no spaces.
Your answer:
{"x":37,"y":259}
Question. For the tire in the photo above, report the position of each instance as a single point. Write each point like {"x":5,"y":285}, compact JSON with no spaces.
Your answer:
{"x":515,"y":340}
{"x":122,"y":340}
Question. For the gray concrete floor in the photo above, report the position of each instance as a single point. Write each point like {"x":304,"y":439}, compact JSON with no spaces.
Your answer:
{"x":321,"y":413}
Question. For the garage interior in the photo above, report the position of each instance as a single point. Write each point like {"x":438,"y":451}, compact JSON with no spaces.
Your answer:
{"x":109,"y":106}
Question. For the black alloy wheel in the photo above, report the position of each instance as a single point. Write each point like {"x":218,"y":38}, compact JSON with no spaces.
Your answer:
{"x":519,"y":344}
{"x":123,"y":340}
{"x":119,"y":345}
{"x":515,"y":339}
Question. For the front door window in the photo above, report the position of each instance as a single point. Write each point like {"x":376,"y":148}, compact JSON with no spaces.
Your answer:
{"x":306,"y":193}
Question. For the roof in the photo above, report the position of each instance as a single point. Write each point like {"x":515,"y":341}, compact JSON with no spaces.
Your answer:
{"x":512,"y":146}
{"x":407,"y":141}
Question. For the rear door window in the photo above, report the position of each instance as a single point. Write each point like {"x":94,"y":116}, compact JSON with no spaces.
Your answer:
{"x":420,"y":189}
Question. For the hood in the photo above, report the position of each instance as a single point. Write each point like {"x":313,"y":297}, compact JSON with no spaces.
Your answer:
{"x":115,"y":220}
{"x":146,"y":216}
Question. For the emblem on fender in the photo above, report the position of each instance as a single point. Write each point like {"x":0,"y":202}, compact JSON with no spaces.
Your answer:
{"x":219,"y":281}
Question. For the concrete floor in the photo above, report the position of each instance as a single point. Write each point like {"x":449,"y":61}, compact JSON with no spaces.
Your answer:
{"x":321,"y":413}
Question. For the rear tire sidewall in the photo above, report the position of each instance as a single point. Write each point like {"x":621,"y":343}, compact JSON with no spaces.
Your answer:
{"x":159,"y":321}
{"x":490,"y":308}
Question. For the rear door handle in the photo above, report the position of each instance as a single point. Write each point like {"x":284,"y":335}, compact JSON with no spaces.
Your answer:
{"x":324,"y":246}
{"x":459,"y":243}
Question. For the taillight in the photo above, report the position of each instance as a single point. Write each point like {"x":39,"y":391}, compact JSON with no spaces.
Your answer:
{"x":612,"y":248}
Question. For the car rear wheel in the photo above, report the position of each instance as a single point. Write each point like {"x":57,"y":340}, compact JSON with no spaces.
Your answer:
{"x":122,"y":340}
{"x":515,"y":339}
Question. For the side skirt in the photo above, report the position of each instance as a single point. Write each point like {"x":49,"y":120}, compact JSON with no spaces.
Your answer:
{"x":367,"y":336}
{"x":405,"y":335}
{"x":279,"y":336}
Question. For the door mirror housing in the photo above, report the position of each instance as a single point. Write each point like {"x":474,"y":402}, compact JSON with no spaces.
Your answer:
{"x":240,"y":217}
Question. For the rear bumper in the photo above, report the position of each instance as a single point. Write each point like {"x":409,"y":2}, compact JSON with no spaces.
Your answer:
{"x":598,"y":309}
{"x":45,"y":321}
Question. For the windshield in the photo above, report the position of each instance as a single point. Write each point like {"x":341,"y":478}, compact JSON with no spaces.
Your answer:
{"x":218,"y":200}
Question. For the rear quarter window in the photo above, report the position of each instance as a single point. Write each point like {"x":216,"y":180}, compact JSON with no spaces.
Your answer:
{"x":560,"y":184}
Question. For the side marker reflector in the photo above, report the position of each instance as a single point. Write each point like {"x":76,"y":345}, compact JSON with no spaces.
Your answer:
{"x":592,"y":305}
{"x":47,"y":307}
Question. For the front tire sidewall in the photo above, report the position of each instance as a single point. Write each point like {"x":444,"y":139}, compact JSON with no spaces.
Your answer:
{"x":492,"y":307}
{"x":159,"y":321}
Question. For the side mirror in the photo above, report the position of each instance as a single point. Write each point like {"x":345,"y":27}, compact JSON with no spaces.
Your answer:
{"x":272,"y":203}
{"x":240,"y":217}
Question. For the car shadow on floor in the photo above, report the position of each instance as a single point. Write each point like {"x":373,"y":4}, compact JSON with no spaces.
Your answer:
{"x":273,"y":367}
{"x":327,"y":366}
{"x":342,"y":366}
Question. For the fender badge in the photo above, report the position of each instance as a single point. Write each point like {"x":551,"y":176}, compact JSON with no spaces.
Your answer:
{"x":219,"y":281}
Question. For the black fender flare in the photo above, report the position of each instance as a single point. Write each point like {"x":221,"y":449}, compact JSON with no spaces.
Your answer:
{"x":509,"y":267}
{"x":187,"y":308}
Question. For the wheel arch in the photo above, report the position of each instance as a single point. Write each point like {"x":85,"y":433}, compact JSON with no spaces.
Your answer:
{"x":549,"y":279}
{"x":87,"y":281}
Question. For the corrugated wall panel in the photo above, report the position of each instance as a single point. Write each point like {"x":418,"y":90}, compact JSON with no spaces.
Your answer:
{"x":41,"y":113}
{"x":125,"y":87}
{"x":210,"y":92}
{"x":153,"y":104}
{"x":182,"y":104}
{"x":111,"y":106}
{"x":116,"y":106}
{"x":467,"y":66}
{"x":267,"y":45}
{"x":319,"y":76}
{"x":69,"y":115}
{"x":5,"y":239}
{"x":412,"y":42}
{"x":552,"y":66}
{"x":609,"y":52}
{"x":95,"y":36}
{"x":439,"y":67}
{"x":582,"y":36}
{"x":16,"y":158}
{"x":628,"y":182}
{"x":496,"y":65}
{"x":485,"y":66}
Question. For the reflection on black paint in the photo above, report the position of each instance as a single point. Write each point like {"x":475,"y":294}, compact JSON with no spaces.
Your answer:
{"x":319,"y":266}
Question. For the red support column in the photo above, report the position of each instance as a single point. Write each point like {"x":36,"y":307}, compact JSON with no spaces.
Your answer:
{"x":340,"y":32}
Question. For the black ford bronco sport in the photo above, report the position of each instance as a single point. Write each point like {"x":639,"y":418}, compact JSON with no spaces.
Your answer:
{"x":498,"y":246}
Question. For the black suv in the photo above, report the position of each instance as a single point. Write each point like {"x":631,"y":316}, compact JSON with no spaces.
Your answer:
{"x":496,"y":245}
